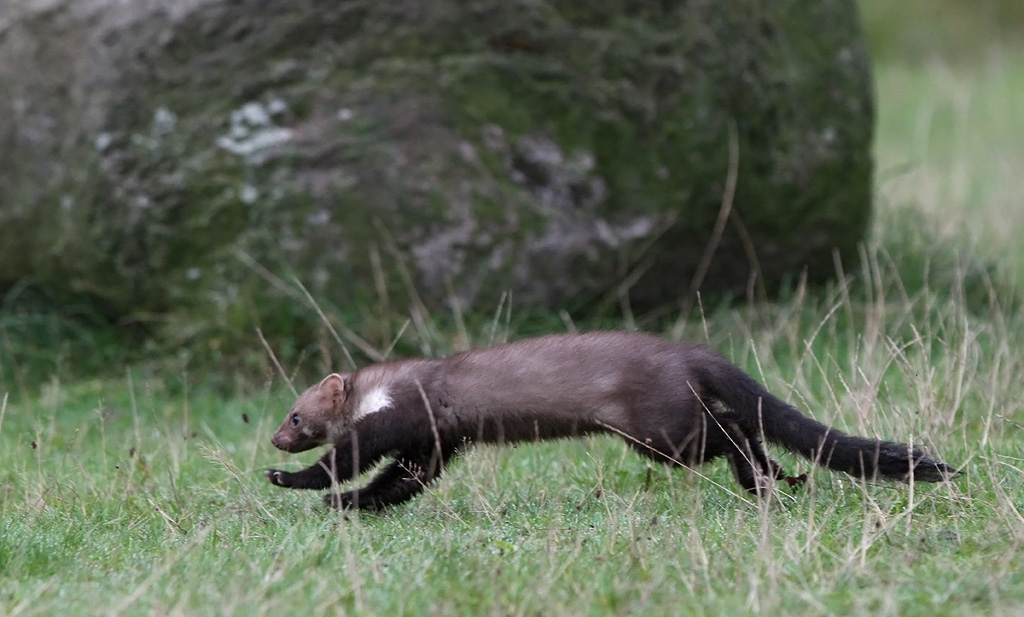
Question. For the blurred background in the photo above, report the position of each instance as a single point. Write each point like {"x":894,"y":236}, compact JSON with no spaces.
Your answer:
{"x":948,"y":150}
{"x":949,"y":142}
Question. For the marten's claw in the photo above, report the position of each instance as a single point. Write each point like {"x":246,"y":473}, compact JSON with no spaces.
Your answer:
{"x":276,"y":477}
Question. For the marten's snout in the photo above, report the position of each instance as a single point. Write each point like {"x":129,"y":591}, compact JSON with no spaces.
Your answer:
{"x":293,"y":443}
{"x":280,"y":441}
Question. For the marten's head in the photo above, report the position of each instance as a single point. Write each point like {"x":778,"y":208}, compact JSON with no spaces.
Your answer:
{"x":318,"y":417}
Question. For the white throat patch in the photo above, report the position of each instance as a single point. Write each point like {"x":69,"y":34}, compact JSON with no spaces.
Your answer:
{"x":375,"y":400}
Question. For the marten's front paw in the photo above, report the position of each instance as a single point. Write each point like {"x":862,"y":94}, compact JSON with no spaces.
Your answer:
{"x":345,"y":501}
{"x":278,"y":478}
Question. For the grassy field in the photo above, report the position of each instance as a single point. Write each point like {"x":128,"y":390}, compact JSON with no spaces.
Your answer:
{"x":139,"y":495}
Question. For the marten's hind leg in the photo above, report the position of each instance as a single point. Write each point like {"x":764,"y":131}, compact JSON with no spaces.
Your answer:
{"x":675,"y":440}
{"x":691,"y":444}
{"x":751,"y":465}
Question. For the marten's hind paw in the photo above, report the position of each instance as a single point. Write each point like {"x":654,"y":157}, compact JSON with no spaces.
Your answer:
{"x":278,"y":478}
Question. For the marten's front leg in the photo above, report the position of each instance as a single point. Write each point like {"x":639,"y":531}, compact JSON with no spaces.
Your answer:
{"x":397,"y":483}
{"x":393,"y":484}
{"x":342,"y":462}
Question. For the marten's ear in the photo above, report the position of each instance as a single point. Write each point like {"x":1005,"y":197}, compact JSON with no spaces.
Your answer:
{"x":337,"y":388}
{"x":333,"y":383}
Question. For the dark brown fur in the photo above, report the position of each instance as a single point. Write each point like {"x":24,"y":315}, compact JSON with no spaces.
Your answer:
{"x":674,"y":402}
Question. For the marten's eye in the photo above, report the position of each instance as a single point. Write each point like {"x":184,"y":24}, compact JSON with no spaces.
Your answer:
{"x":295,"y":419}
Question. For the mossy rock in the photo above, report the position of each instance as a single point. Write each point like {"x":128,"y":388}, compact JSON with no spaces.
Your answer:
{"x":182,"y":162}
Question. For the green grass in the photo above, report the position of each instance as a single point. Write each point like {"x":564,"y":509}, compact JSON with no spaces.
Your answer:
{"x":144,"y":494}
{"x":134,"y":495}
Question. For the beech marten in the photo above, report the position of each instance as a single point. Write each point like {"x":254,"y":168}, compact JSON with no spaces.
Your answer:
{"x":677,"y":403}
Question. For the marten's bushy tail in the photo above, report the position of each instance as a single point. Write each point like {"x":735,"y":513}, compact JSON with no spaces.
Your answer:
{"x":784,"y":425}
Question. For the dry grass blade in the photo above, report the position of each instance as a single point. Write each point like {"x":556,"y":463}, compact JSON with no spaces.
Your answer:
{"x":363,"y":346}
{"x":277,"y":364}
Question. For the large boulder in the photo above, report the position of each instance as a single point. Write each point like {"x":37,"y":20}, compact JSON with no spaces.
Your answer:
{"x":179,"y":162}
